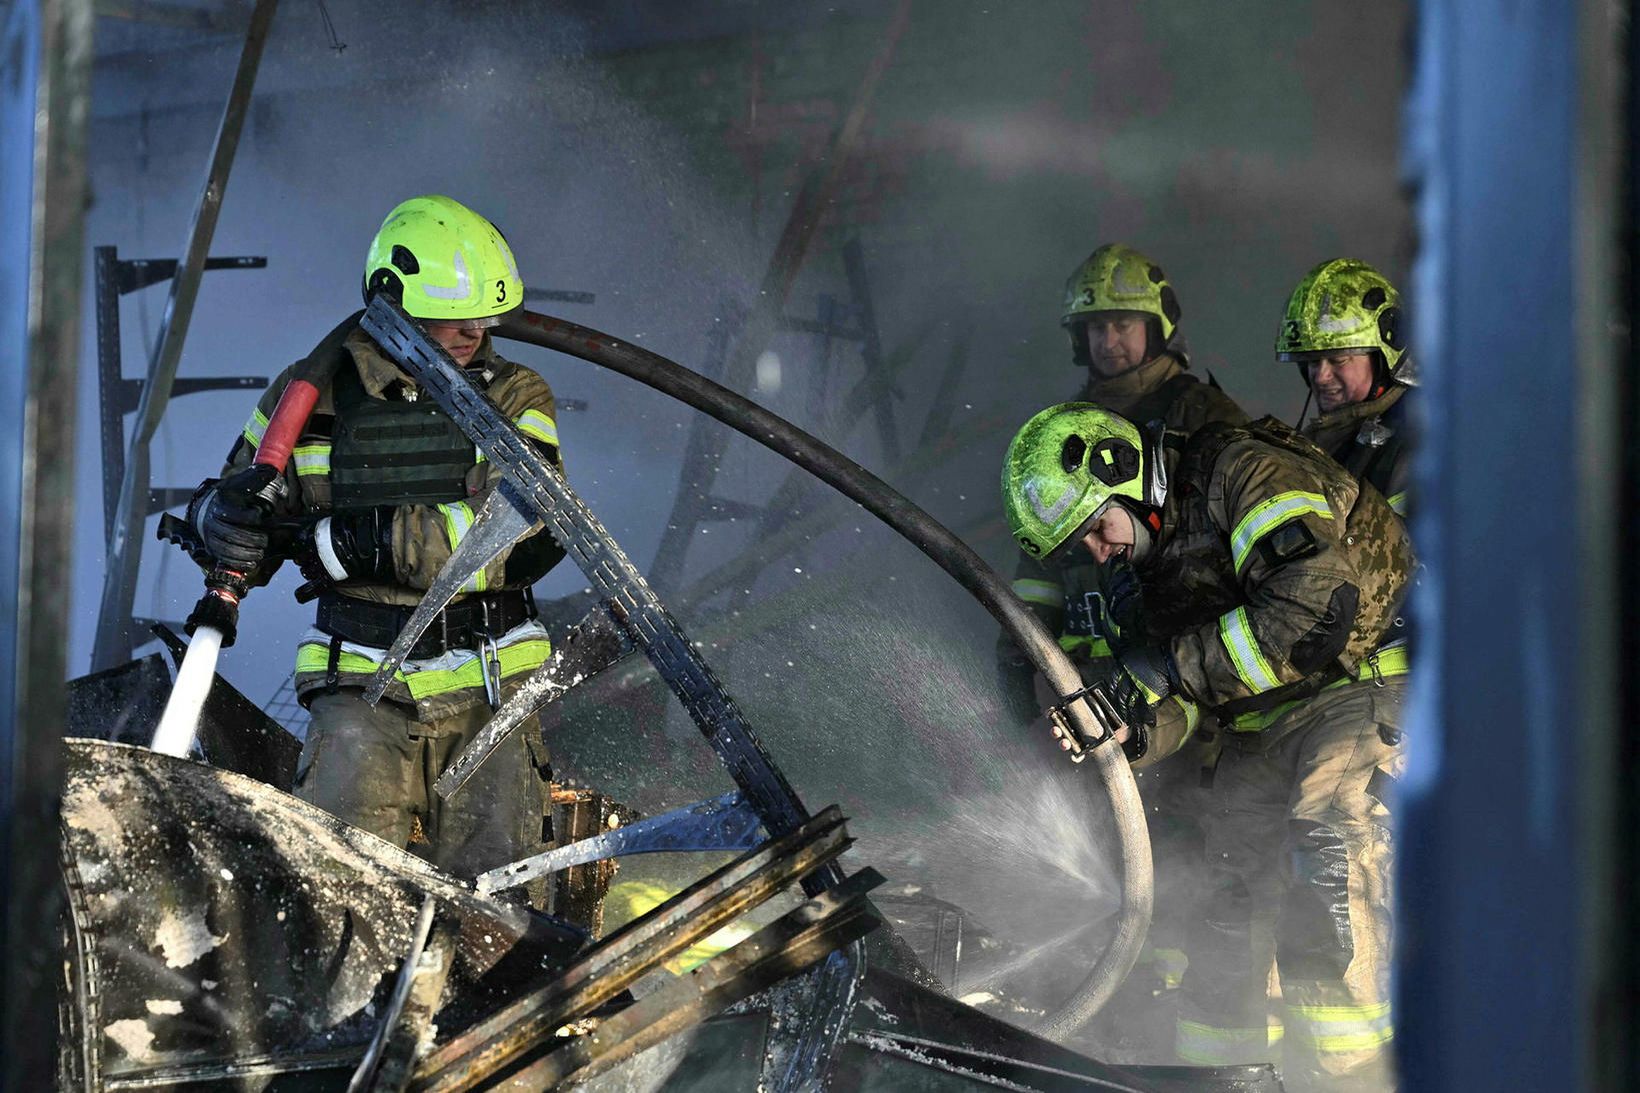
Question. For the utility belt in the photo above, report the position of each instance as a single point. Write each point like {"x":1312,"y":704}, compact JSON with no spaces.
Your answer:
{"x":468,"y":624}
{"x":1387,"y":662}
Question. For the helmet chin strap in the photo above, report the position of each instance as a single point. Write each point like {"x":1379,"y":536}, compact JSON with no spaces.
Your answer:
{"x":1309,"y":393}
{"x":1155,"y":466}
{"x":1141,"y":540}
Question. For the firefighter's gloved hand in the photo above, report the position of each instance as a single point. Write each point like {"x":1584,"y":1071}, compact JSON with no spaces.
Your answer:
{"x":1122,"y":603}
{"x":1150,"y":672}
{"x":233,"y":515}
{"x":1147,"y":678}
{"x":348,"y":546}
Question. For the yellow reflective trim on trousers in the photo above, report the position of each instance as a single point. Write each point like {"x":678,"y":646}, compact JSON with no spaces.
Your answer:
{"x":1210,"y":1045}
{"x":1093,"y":648}
{"x":1239,"y":641}
{"x":1192,"y":713}
{"x":523,"y":656}
{"x":256,"y":428}
{"x":1343,"y":1030}
{"x":1395,"y":660}
{"x":1270,"y":514}
{"x":1046,"y":593}
{"x":458,"y":520}
{"x":1398,"y":502}
{"x":311,"y":459}
{"x":540,"y":426}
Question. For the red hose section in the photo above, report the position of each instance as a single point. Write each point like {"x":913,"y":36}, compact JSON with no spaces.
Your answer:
{"x":289,"y":418}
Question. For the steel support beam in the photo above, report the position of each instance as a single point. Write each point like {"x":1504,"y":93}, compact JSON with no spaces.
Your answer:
{"x":113,"y":643}
{"x":45,"y":86}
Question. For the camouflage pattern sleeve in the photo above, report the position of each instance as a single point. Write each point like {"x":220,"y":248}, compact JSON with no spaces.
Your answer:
{"x":1285,"y":522}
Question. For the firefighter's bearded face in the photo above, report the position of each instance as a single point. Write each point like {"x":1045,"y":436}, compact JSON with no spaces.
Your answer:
{"x":1341,"y":378}
{"x":459,"y":339}
{"x":1111,"y":534}
{"x":1117,"y":341}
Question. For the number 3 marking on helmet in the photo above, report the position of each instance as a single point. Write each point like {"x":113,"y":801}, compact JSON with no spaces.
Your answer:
{"x":501,"y":291}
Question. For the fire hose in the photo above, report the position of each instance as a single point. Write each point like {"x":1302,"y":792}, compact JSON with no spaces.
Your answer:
{"x":952,"y":555}
{"x":214,"y":622}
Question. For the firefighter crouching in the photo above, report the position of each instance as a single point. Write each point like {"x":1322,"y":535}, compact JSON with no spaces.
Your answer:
{"x":381,"y":488}
{"x":1251,"y":583}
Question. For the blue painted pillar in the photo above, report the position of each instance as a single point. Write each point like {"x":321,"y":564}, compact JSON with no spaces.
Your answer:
{"x":1504,"y":840}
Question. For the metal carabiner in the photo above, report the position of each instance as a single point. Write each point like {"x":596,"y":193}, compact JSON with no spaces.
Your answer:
{"x":490,"y":659}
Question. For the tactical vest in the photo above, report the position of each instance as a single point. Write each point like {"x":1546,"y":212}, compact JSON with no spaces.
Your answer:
{"x":393,"y":452}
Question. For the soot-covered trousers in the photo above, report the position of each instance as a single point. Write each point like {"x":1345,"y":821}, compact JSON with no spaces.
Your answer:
{"x":1299,"y":858}
{"x":375,"y":768}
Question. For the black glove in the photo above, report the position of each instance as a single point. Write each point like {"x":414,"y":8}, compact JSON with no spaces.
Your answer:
{"x":1122,"y":600}
{"x":1130,"y":696}
{"x":1151,"y":672}
{"x":1148,"y":676}
{"x":233,"y":516}
{"x":348,"y":546}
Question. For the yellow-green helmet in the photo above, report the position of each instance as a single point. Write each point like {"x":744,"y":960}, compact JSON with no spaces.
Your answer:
{"x":1118,"y":278}
{"x":1343,"y":304}
{"x":441,"y":260}
{"x":1064,"y":467}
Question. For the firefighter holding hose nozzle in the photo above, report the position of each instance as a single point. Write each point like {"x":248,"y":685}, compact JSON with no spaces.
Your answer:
{"x":1250,"y":586}
{"x":379,"y":490}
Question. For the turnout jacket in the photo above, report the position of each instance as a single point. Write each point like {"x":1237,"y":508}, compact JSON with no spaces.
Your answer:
{"x":1275,"y":572}
{"x":425,"y":532}
{"x":1373,"y":440}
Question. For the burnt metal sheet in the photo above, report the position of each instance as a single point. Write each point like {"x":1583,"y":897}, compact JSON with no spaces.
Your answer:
{"x":124,"y":704}
{"x":219,"y":924}
{"x":631,"y":953}
{"x":801,"y":937}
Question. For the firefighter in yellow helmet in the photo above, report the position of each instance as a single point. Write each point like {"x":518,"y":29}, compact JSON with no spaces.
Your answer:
{"x":381,"y":488}
{"x":1346,"y":330}
{"x":1263,"y":581}
{"x":1121,"y":316}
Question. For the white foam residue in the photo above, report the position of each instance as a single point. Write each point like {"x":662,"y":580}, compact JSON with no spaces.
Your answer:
{"x":184,"y":940}
{"x":164,"y":1005}
{"x":134,"y":1037}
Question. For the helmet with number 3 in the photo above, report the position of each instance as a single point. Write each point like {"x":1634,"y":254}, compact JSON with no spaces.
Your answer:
{"x":440,"y":260}
{"x":1066,"y":466}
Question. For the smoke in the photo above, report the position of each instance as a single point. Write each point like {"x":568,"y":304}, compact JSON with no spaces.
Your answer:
{"x":649,"y":154}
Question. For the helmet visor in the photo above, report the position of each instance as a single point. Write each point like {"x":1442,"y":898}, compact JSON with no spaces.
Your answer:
{"x":1061,"y":554}
{"x":1303,"y":356}
{"x":469,"y":326}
